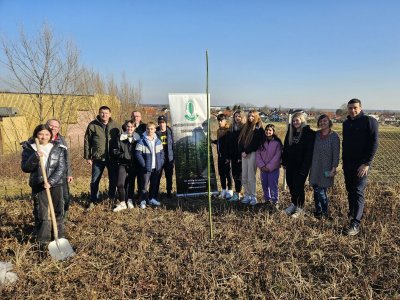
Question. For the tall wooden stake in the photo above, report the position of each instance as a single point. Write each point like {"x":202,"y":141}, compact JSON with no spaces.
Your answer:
{"x":208,"y":153}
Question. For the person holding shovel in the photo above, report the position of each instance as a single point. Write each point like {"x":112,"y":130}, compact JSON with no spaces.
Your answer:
{"x":53,"y":154}
{"x":55,"y":126}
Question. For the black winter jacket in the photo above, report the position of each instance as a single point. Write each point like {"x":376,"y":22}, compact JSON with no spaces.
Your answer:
{"x":234,"y":138}
{"x":298,"y":156}
{"x":360,"y":140}
{"x":224,"y":145}
{"x":141,"y":129}
{"x":255,"y":142}
{"x":68,"y":170}
{"x":55,"y":166}
{"x":170,"y":142}
{"x":123,"y":150}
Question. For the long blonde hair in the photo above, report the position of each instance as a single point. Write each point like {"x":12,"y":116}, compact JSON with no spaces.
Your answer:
{"x":247,"y":132}
{"x":291,"y":127}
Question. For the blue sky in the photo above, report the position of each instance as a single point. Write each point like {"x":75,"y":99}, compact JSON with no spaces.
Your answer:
{"x":290,"y":53}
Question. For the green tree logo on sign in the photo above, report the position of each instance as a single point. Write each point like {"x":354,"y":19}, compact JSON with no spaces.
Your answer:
{"x":190,"y":114}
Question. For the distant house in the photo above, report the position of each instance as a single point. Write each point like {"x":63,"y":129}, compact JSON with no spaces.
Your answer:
{"x":389,"y":120}
{"x":375,"y":116}
{"x":216,"y":108}
{"x":13,"y":130}
{"x":149,"y":111}
{"x":277,"y":116}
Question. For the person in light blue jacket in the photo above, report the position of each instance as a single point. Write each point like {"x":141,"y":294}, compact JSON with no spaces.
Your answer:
{"x":149,"y":154}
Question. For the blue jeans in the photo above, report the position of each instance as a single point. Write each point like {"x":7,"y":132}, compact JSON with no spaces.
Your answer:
{"x":97,"y":171}
{"x":320,"y":199}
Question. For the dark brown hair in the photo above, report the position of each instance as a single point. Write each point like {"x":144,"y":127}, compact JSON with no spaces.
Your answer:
{"x":323,"y":117}
{"x":41,"y":127}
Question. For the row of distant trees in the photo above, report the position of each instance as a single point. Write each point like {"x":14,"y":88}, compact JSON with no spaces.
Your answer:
{"x":45,"y":64}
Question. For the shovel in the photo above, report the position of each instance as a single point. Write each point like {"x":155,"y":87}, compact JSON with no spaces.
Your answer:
{"x":59,"y":249}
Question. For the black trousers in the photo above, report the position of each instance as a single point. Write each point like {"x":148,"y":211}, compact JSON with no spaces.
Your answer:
{"x":148,"y":182}
{"x":42,"y":215}
{"x":136,"y":177}
{"x":296,"y":183}
{"x":355,"y":187}
{"x":66,"y":196}
{"x":224,"y":171}
{"x":125,"y":183}
{"x":237,"y":174}
{"x":168,"y":168}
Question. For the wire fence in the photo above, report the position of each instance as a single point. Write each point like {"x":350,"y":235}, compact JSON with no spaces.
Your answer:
{"x":386,"y":164}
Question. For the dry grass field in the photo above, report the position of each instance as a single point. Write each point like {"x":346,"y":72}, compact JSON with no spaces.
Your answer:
{"x":166,"y":253}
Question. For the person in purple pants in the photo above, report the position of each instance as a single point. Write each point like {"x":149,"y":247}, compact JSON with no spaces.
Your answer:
{"x":268,"y":160}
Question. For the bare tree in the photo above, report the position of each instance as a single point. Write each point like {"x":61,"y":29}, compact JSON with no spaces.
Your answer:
{"x":341,"y":112}
{"x":129,"y":96}
{"x":44,"y":68}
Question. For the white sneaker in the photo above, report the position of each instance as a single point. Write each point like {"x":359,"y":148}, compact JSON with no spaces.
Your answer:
{"x":298,"y":213}
{"x":228,"y":194}
{"x":130,"y":204}
{"x":154,"y":202}
{"x":143,"y":204}
{"x":290,"y":210}
{"x":246,"y":199}
{"x":253,"y":200}
{"x":120,"y":206}
{"x":222,"y":194}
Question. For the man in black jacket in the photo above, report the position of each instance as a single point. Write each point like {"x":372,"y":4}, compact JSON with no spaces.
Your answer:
{"x":360,"y":143}
{"x":99,"y":135}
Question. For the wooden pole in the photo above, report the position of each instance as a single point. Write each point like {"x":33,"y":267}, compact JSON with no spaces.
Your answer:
{"x":289,"y":128}
{"x":208,"y":153}
{"x":51,"y":208}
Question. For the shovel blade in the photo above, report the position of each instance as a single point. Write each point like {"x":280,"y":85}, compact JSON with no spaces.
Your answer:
{"x":60,"y":249}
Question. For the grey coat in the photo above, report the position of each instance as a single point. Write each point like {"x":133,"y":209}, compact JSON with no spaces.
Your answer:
{"x":325,"y":157}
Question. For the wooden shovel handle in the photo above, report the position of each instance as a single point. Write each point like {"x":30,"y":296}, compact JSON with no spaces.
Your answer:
{"x":51,"y":208}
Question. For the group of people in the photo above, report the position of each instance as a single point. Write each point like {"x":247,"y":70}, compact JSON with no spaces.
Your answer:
{"x":132,"y":153}
{"x":139,"y":153}
{"x":243,"y":146}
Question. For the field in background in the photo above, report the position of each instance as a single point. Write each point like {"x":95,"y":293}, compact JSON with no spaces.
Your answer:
{"x":166,"y":252}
